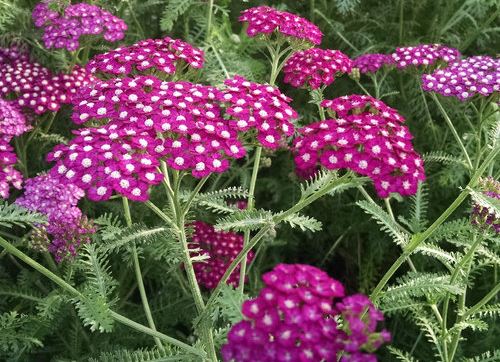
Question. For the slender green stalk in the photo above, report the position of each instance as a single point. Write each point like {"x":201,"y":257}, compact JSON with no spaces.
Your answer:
{"x":118,"y":317}
{"x":401,"y":20}
{"x":209,"y":19}
{"x":195,"y":192}
{"x":362,"y":88}
{"x":419,"y":238}
{"x":138,"y":276}
{"x":453,"y":131}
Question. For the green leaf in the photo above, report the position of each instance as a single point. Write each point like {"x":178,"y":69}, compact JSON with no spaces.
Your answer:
{"x":228,"y":305}
{"x":401,"y":355}
{"x":137,"y":233}
{"x":320,"y":179}
{"x":172,"y":12}
{"x":490,"y":356}
{"x":16,"y":333}
{"x":14,"y":215}
{"x":144,"y":355}
{"x":443,"y":158}
{"x":244,"y":220}
{"x":485,"y":201}
{"x":303,"y":222}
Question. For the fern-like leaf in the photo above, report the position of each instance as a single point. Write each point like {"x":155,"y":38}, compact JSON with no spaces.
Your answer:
{"x":172,"y":12}
{"x":303,"y":222}
{"x":245,"y":220}
{"x":443,"y":158}
{"x":11,"y":214}
{"x":401,"y":355}
{"x":490,"y":356}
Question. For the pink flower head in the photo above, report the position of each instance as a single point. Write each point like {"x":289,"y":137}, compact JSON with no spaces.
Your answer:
{"x":367,"y":137}
{"x":58,"y":201}
{"x":63,"y":29}
{"x":483,"y":215}
{"x":424,"y":55}
{"x":9,"y":176}
{"x":294,"y":318}
{"x":266,"y":20}
{"x":220,"y":248}
{"x":12,"y":120}
{"x":109,"y":158}
{"x":463,"y":79}
{"x":316,"y":67}
{"x":371,"y":63}
{"x":259,"y":107}
{"x":69,"y":84}
{"x":165,"y":55}
{"x":187,"y":116}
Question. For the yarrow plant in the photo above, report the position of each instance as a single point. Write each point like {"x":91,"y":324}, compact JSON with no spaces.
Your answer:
{"x":484,"y":214}
{"x":220,"y":248}
{"x":424,"y":55}
{"x":295,"y":317}
{"x":166,"y":55}
{"x":315,"y":67}
{"x":466,"y":78}
{"x":265,"y":20}
{"x":64,"y":26}
{"x":367,"y":137}
{"x":372,"y":62}
{"x":66,"y":226}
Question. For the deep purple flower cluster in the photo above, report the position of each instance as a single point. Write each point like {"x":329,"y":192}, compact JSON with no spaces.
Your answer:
{"x":34,"y":86}
{"x":260,"y":107}
{"x":63,"y":29}
{"x":463,"y":79}
{"x":315,"y":67}
{"x":371,"y":63}
{"x":12,"y":124}
{"x":221,"y":248}
{"x":165,"y":55}
{"x":295,"y":318}
{"x":482,"y":215}
{"x":266,"y":20}
{"x":66,"y":225}
{"x":424,"y":55}
{"x":367,"y":137}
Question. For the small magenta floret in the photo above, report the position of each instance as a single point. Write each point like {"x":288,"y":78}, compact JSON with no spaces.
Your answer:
{"x":365,"y":136}
{"x":424,"y":55}
{"x":295,"y":317}
{"x":267,"y":20}
{"x":483,"y":215}
{"x":316,"y":67}
{"x":220,"y":248}
{"x":371,"y":63}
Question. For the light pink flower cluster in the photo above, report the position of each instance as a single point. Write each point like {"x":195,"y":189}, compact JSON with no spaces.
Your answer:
{"x":34,"y":86}
{"x":165,"y":55}
{"x":371,"y":63}
{"x":296,"y":318}
{"x":12,"y":124}
{"x":63,"y":28}
{"x":367,"y":137}
{"x":424,"y":55}
{"x":463,"y":79}
{"x":483,"y":216}
{"x":266,"y":20}
{"x":316,"y":67}
{"x":66,"y":225}
{"x":221,"y":248}
{"x":260,"y":107}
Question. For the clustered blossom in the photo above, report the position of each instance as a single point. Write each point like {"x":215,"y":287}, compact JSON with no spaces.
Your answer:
{"x":463,"y":79}
{"x":315,"y":67}
{"x":66,"y":225}
{"x":424,"y":55}
{"x":260,"y":107}
{"x":64,"y":29}
{"x":165,"y":55}
{"x":266,"y":20}
{"x":145,"y":120}
{"x":365,"y":136}
{"x":12,"y":124}
{"x":295,"y":318}
{"x":220,"y":248}
{"x":371,"y":63}
{"x":483,"y":215}
{"x":34,"y":86}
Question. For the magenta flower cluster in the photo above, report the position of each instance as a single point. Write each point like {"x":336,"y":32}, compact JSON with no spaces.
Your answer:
{"x":372,"y":62}
{"x":295,"y":317}
{"x":220,"y":248}
{"x":259,"y":107}
{"x":63,"y":28}
{"x":34,"y":86}
{"x":463,"y":79}
{"x":483,"y":216}
{"x":265,"y":20}
{"x":424,"y":55}
{"x":66,"y":225}
{"x":315,"y":67}
{"x":165,"y":55}
{"x":12,"y":123}
{"x":365,"y":136}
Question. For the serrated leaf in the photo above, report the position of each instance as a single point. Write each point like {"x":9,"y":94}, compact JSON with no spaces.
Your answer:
{"x":172,"y":12}
{"x":304,"y":222}
{"x":489,"y":203}
{"x":244,"y":220}
{"x":14,"y":215}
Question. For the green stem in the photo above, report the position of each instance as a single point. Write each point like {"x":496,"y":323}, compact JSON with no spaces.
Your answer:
{"x":401,"y":21}
{"x":453,"y":131}
{"x":209,"y":19}
{"x":195,"y":192}
{"x":419,"y":238}
{"x":363,"y":88}
{"x":250,"y":206}
{"x":118,"y":317}
{"x":138,"y":276}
